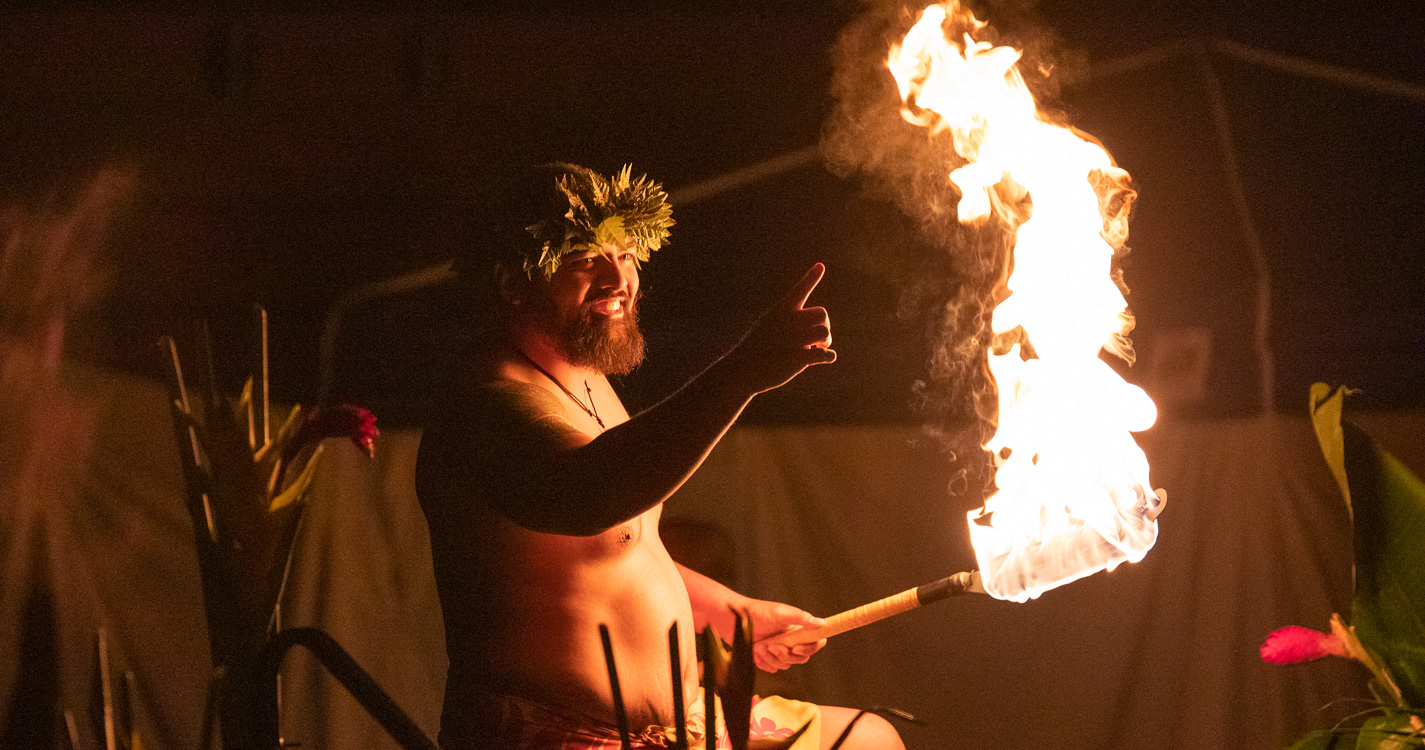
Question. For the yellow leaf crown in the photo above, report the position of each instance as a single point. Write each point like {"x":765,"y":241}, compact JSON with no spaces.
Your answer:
{"x":601,"y":210}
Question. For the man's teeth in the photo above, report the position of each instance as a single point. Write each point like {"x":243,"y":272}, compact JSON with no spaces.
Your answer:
{"x":609,"y":306}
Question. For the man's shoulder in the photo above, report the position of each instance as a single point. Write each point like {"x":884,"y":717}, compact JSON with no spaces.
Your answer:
{"x":506,"y":404}
{"x":485,"y":427}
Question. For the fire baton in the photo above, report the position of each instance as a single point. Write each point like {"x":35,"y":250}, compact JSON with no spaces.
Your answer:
{"x":960,"y":583}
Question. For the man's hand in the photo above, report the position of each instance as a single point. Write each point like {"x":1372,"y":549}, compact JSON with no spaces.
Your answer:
{"x":715,"y":604}
{"x":770,"y":619}
{"x":787,"y":339}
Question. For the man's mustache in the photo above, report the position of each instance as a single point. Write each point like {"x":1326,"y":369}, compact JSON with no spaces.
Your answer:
{"x":628,"y":300}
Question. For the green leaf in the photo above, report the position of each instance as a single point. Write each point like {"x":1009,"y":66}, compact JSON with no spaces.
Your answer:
{"x":298,"y":489}
{"x":1387,"y":505}
{"x":609,"y":231}
{"x":242,"y":412}
{"x":273,"y":450}
{"x":1326,"y":406}
{"x":1325,"y":740}
{"x":1391,"y":731}
{"x":719,"y":656}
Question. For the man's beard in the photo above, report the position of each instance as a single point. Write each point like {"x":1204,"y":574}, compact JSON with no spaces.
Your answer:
{"x":613,"y":346}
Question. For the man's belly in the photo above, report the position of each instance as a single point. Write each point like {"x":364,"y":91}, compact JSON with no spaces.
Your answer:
{"x":541,"y":635}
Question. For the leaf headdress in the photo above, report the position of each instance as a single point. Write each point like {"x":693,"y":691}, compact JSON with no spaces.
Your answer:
{"x":600,"y":210}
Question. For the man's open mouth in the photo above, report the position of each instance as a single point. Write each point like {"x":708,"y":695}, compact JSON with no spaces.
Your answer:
{"x":610,"y":306}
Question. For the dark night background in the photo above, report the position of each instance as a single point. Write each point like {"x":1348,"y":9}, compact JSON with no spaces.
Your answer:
{"x":286,"y":152}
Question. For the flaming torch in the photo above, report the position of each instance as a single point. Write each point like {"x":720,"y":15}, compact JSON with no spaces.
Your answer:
{"x":1072,"y":495}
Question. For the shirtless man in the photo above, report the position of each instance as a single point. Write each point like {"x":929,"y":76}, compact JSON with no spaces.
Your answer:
{"x":543,"y":496}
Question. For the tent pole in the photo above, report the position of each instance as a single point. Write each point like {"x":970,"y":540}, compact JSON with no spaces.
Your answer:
{"x":1262,"y":314}
{"x":1310,"y":69}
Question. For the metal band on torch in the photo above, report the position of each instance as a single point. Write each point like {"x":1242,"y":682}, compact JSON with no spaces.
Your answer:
{"x":960,"y":583}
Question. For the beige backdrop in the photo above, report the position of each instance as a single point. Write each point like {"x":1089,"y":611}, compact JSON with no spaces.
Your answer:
{"x":1158,"y":654}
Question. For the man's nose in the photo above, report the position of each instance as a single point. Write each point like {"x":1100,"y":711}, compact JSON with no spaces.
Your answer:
{"x":614,"y":275}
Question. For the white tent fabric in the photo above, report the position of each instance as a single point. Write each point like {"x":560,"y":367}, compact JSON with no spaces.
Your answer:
{"x":1160,"y":653}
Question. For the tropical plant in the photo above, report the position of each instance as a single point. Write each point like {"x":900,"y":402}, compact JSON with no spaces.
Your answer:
{"x":247,"y":486}
{"x":1387,"y":628}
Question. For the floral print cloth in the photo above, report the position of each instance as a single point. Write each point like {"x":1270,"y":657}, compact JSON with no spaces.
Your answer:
{"x":514,"y":723}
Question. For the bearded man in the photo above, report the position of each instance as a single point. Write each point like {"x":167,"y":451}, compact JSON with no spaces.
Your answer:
{"x":543,"y":496}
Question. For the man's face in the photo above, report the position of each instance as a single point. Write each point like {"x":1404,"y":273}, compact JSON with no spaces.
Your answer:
{"x":593,"y":304}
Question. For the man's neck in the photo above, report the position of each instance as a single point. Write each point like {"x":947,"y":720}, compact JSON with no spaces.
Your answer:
{"x":534,"y":359}
{"x":539,"y":348}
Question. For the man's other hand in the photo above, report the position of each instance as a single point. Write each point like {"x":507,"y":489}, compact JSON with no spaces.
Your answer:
{"x":770,"y":619}
{"x":787,"y":339}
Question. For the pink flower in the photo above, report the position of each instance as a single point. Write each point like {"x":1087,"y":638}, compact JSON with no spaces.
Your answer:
{"x":1292,"y":644}
{"x":353,"y":422}
{"x":765,"y":728}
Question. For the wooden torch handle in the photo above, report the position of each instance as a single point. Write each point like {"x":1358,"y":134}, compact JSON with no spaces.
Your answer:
{"x":880,"y":609}
{"x":869,"y":613}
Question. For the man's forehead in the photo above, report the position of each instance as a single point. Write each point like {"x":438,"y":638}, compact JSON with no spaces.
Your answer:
{"x":606,"y":248}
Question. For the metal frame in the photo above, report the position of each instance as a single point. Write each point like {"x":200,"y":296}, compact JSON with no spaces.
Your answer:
{"x":1198,"y":51}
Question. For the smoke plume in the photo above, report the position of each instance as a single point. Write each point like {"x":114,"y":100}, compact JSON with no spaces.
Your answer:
{"x":866,"y":137}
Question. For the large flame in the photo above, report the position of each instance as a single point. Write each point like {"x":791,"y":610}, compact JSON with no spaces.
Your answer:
{"x":1072,"y":494}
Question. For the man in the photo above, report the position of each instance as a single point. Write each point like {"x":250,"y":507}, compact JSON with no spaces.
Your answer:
{"x":543,"y":496}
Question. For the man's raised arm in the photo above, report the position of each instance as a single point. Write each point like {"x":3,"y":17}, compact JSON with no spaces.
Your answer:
{"x":584,"y":486}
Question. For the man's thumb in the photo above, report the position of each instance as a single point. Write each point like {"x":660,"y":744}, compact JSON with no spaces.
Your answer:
{"x":804,"y":619}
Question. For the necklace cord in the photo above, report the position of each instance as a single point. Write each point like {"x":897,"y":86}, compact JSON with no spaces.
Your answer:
{"x":591,"y":409}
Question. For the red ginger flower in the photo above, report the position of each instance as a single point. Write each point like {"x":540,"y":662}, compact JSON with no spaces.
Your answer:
{"x":353,"y":422}
{"x":1293,"y":644}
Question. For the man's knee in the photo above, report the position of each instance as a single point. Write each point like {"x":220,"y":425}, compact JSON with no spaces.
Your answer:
{"x":870,"y":732}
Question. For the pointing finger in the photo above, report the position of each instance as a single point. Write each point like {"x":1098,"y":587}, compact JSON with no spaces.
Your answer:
{"x":803,"y":288}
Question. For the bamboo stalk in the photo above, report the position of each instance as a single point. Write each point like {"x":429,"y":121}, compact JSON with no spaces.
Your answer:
{"x":106,"y":689}
{"x":130,"y":724}
{"x":183,"y":395}
{"x":192,"y":434}
{"x":737,"y":696}
{"x":277,"y":628}
{"x":251,"y":424}
{"x":710,"y":688}
{"x":620,"y":714}
{"x":72,"y":727}
{"x":675,"y":657}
